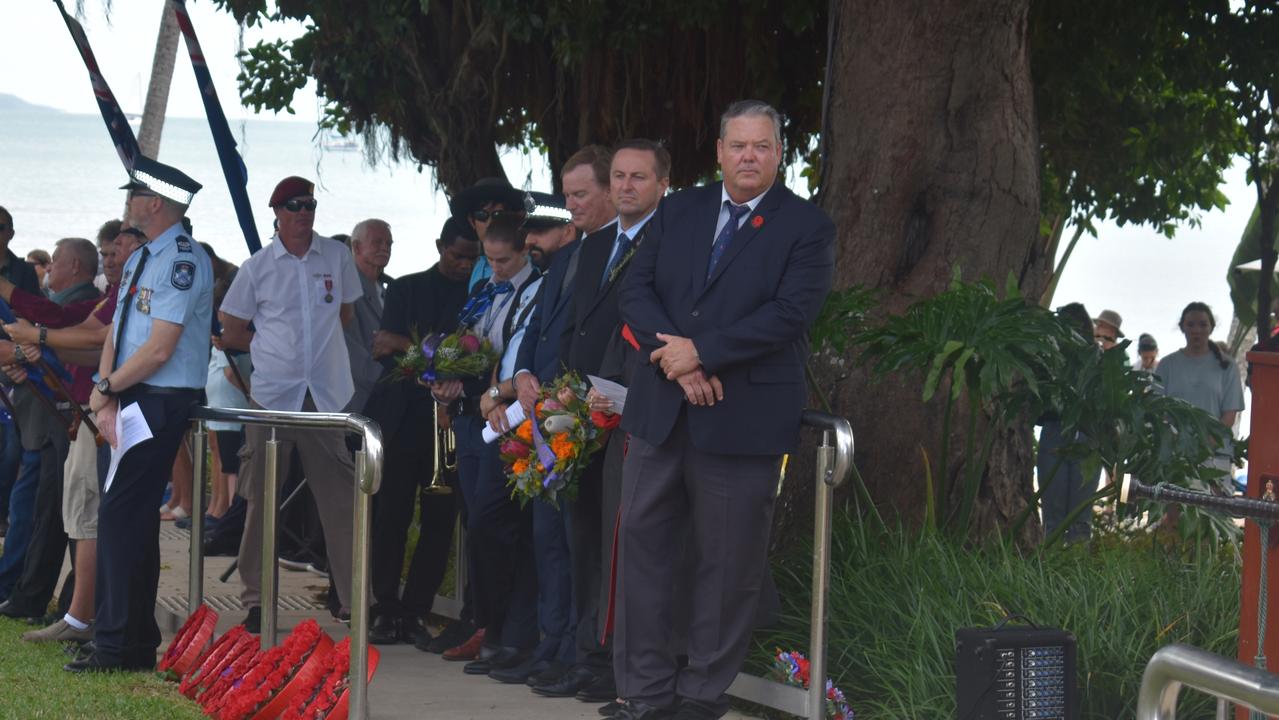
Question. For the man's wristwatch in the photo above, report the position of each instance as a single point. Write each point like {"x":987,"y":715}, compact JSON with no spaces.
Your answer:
{"x":495,"y":393}
{"x":104,"y":387}
{"x":44,"y":334}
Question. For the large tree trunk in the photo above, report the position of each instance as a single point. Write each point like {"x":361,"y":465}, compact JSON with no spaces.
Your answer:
{"x":166,"y":51}
{"x":931,"y":163}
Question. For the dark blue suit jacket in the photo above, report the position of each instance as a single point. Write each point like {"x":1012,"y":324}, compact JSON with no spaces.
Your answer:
{"x":749,"y":320}
{"x":540,"y":349}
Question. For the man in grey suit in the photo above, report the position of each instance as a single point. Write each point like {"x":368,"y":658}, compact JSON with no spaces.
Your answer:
{"x":371,"y":247}
{"x":744,"y":268}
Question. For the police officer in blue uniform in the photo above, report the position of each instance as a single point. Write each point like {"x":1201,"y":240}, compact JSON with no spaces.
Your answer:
{"x":154,"y":366}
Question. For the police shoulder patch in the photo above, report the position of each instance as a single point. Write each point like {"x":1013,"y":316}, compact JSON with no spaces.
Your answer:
{"x":183,"y":276}
{"x":183,"y":243}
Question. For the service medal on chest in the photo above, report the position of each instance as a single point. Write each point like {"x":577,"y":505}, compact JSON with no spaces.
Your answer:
{"x":328,"y":288}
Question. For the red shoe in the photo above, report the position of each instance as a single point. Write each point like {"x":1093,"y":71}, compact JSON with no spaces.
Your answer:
{"x":469,"y":650}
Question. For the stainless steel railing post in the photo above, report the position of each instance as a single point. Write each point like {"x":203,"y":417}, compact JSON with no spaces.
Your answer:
{"x":360,"y":557}
{"x":1173,"y":666}
{"x":195,"y":593}
{"x":825,"y":493}
{"x":270,"y":503}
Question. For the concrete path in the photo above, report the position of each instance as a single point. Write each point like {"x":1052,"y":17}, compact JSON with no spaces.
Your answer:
{"x":408,"y":684}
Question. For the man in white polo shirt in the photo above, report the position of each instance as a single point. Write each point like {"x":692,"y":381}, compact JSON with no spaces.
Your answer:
{"x":297,"y":292}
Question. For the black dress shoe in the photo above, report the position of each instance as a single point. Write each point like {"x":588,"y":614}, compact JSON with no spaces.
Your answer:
{"x":253,"y":621}
{"x":602,"y":690}
{"x":518,"y":673}
{"x":453,"y":634}
{"x":552,"y":673}
{"x":93,"y":664}
{"x":610,"y":709}
{"x":632,"y":710}
{"x":501,"y":659}
{"x":385,"y":630}
{"x":9,"y":610}
{"x":568,"y":685}
{"x":413,"y":631}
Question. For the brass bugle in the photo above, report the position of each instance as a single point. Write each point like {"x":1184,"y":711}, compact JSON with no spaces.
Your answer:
{"x":443,"y":446}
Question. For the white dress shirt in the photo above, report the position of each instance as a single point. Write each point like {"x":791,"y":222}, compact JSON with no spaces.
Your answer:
{"x":723,"y":211}
{"x":295,"y":305}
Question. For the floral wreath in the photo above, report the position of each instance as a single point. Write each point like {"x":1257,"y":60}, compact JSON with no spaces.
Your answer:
{"x":545,"y":455}
{"x":270,"y":684}
{"x":234,"y":666}
{"x":211,"y":665}
{"x":325,"y":695}
{"x":189,"y":645}
{"x":791,"y":668}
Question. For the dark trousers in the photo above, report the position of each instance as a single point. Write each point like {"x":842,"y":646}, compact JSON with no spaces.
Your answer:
{"x":43,"y":563}
{"x":129,"y":532}
{"x":586,"y":545}
{"x":499,"y":540}
{"x":1063,"y":484}
{"x":556,"y":613}
{"x":725,"y":504}
{"x":10,"y":459}
{"x":22,"y":503}
{"x":409,"y":465}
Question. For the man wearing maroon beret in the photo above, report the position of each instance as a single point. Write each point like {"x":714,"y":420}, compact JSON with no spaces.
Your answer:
{"x":297,"y":292}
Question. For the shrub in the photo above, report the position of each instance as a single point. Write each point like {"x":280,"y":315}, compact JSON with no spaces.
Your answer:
{"x":896,"y":600}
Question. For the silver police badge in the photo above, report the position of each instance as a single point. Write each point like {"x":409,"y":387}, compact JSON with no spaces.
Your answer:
{"x":144,"y":301}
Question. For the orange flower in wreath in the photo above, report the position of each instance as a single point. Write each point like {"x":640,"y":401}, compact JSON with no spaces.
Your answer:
{"x":525,"y":431}
{"x":519,"y":467}
{"x":563,"y":446}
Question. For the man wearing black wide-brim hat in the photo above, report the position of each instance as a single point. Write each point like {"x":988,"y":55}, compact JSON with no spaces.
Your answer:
{"x":487,"y":201}
{"x":153,"y":370}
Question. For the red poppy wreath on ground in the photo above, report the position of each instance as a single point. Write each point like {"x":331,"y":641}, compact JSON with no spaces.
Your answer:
{"x":326,"y":697}
{"x":190,"y":644}
{"x":239,"y":659}
{"x":201,"y":677}
{"x":279,"y":673}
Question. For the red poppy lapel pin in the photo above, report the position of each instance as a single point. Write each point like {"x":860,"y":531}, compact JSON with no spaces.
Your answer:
{"x":757,"y":222}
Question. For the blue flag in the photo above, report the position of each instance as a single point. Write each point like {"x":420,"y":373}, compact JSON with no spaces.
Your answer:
{"x":237,"y":176}
{"x":126,"y":145}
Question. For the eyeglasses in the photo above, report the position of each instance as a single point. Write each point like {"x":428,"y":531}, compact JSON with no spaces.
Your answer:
{"x":486,"y":215}
{"x":296,"y":205}
{"x":1104,"y":338}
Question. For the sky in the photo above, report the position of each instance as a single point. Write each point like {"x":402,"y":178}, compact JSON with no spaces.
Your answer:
{"x":124,"y":44}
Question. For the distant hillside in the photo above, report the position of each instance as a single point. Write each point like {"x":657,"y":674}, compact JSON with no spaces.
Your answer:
{"x":13,"y":103}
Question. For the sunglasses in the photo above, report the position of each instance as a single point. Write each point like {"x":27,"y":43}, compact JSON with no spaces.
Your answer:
{"x":296,"y":205}
{"x":134,"y":232}
{"x":486,"y":215}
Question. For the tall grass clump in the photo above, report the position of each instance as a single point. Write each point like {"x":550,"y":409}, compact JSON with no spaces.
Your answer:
{"x":897,"y":598}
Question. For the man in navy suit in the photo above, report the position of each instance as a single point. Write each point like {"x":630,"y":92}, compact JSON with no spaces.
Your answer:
{"x":720,"y":297}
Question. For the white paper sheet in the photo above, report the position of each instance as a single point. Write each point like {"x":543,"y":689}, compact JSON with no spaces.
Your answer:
{"x":610,"y":390}
{"x":131,"y":428}
{"x":514,"y":416}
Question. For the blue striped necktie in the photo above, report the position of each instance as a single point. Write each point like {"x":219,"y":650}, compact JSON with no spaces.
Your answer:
{"x":735,"y":214}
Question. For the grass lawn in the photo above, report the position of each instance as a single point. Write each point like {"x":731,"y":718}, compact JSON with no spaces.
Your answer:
{"x":33,"y":685}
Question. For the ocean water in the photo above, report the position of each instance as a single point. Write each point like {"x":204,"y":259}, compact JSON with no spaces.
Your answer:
{"x":59,"y":176}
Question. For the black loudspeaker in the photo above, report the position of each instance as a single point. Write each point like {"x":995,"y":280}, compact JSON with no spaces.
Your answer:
{"x":1015,"y":673}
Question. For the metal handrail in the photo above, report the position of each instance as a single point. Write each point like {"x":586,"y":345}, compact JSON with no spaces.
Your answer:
{"x":834,"y":461}
{"x":368,"y":474}
{"x":1173,"y":666}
